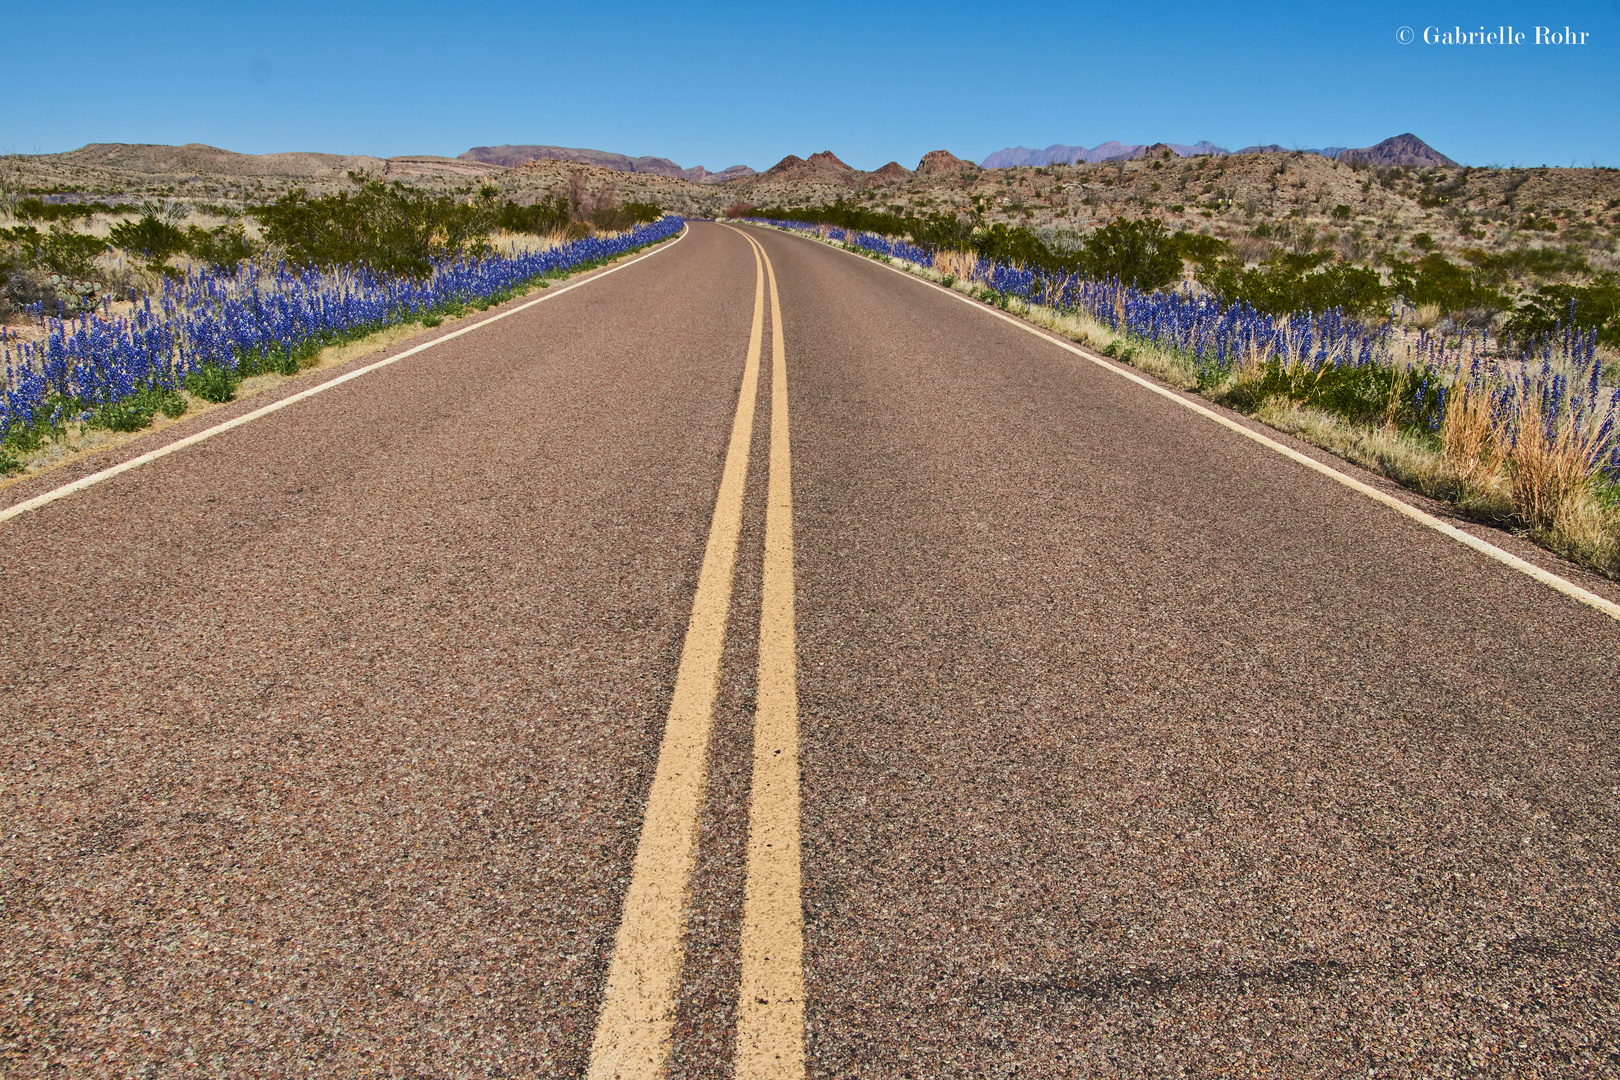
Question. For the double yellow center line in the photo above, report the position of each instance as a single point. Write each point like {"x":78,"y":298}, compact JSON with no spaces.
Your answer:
{"x":638,"y":1005}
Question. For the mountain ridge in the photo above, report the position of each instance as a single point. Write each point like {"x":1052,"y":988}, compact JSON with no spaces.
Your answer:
{"x":1405,"y":149}
{"x":512,"y":156}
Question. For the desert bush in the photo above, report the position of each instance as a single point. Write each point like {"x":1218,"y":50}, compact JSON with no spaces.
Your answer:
{"x":1435,"y":280}
{"x":60,"y":251}
{"x":1586,"y":307}
{"x":222,"y":245}
{"x":389,"y":227}
{"x":610,"y":216}
{"x":1140,"y":253}
{"x":544,"y":218}
{"x":37,"y":209}
{"x":149,"y":238}
{"x":1298,"y":282}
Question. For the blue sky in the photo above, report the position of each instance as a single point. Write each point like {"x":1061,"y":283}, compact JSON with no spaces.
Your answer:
{"x":726,"y":84}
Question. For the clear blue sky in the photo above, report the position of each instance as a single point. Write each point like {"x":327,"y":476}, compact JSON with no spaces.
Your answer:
{"x":726,"y":84}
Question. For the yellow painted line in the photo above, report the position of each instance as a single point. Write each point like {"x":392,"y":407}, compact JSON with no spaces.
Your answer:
{"x":247,"y":418}
{"x":1400,"y":506}
{"x":638,"y":1004}
{"x":770,"y":1005}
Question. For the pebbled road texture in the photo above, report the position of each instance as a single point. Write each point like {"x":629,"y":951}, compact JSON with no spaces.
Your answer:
{"x":1129,"y":748}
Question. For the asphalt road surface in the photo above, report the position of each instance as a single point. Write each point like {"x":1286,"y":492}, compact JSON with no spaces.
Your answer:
{"x":758,"y":663}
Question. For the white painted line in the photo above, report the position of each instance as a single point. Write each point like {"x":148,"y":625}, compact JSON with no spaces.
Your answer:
{"x":191,"y":440}
{"x":1489,"y":550}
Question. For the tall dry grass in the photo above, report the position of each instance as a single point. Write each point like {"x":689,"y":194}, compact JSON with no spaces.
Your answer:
{"x":1473,"y":447}
{"x":1552,"y":476}
{"x":511,"y":244}
{"x":956,"y":264}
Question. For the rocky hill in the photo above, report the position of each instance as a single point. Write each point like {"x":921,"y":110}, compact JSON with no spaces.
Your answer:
{"x":1408,"y":150}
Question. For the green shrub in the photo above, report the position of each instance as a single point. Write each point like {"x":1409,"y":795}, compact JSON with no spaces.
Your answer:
{"x":1586,"y":307}
{"x":213,"y":383}
{"x":223,"y":245}
{"x":60,"y":251}
{"x":70,"y":254}
{"x":149,"y":238}
{"x":543,"y":218}
{"x":1293,"y":283}
{"x":1499,"y":268}
{"x":136,"y":411}
{"x":1139,"y":253}
{"x":37,"y":209}
{"x":1434,"y":280}
{"x":389,"y":227}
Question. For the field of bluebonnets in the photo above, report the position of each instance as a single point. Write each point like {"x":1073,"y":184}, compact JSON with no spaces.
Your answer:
{"x":206,"y":329}
{"x":1519,"y":431}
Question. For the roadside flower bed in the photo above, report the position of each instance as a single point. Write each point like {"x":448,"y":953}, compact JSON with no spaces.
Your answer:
{"x":247,"y":318}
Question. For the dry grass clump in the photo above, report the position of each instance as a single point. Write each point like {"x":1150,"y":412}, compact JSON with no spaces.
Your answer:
{"x":957,"y":264}
{"x":513,"y":244}
{"x":1552,"y":478}
{"x":1473,"y":448}
{"x":1427,"y":316}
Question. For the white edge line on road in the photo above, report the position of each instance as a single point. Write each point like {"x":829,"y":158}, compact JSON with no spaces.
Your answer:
{"x":190,"y":440}
{"x":1484,"y":547}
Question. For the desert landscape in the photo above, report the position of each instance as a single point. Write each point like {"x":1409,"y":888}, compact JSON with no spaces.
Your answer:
{"x":1527,"y":227}
{"x":1127,"y":610}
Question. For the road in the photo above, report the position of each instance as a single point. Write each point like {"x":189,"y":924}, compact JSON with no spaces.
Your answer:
{"x":427,"y":727}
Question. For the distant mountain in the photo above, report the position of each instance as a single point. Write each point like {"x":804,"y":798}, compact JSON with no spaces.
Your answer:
{"x":1058,"y":154}
{"x":1273,"y":148}
{"x":1405,"y":149}
{"x":513,"y":156}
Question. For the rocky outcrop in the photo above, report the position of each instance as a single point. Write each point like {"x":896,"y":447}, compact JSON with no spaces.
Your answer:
{"x":937,"y":162}
{"x":1058,"y":154}
{"x":698,"y":174}
{"x":817,"y":168}
{"x":892,"y":173}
